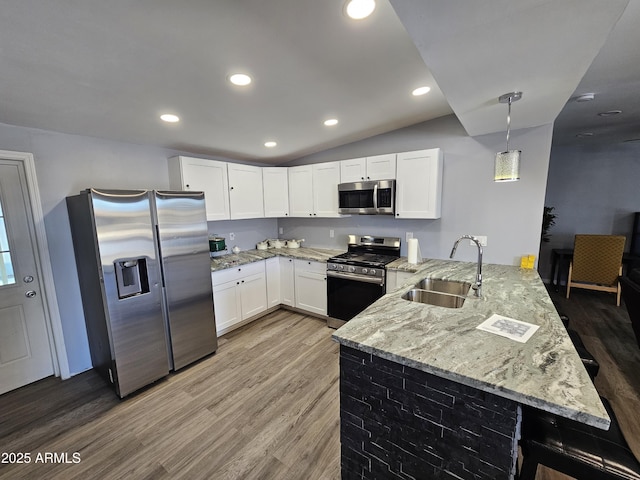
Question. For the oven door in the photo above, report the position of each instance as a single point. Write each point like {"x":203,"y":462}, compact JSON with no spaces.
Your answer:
{"x":349,"y":294}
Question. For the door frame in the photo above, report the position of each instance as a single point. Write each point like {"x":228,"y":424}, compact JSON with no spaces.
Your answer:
{"x":43,"y":266}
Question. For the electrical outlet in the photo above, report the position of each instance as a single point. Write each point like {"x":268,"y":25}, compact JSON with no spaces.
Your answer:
{"x":232,"y":237}
{"x":331,"y":233}
{"x":408,"y":236}
{"x":280,"y":230}
{"x":481,"y":238}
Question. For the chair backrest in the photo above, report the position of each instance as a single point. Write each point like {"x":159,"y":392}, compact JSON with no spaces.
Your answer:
{"x":597,"y":258}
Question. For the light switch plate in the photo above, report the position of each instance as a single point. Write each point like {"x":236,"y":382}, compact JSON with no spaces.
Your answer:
{"x":232,"y":236}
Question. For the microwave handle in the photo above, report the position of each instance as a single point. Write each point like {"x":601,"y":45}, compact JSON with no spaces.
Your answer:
{"x":375,"y":196}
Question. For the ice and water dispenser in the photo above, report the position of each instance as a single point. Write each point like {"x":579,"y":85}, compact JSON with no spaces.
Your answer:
{"x":131,"y":277}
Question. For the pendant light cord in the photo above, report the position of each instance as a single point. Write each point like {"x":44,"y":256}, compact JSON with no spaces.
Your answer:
{"x":508,"y":124}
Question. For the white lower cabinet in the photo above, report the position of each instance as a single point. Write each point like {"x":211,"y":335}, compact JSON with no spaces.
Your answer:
{"x":396,"y":278}
{"x":238,"y":294}
{"x":287,"y":281}
{"x":274,"y":290}
{"x":311,"y":286}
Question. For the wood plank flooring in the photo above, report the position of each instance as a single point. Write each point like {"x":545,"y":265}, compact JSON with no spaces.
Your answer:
{"x":265,"y":406}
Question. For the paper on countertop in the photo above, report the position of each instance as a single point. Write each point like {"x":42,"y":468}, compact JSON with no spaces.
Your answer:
{"x":508,"y":327}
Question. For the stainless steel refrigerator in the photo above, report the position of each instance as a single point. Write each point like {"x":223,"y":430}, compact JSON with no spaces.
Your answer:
{"x":144,"y":269}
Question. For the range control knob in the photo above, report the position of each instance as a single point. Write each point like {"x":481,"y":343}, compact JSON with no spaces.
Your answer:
{"x":365,"y":271}
{"x":352,"y":269}
{"x":340,"y":267}
{"x":372,"y":271}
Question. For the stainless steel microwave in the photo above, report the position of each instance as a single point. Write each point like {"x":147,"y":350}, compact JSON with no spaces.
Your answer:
{"x":375,"y":197}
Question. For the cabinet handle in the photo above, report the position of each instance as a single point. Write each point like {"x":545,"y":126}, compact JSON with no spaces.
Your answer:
{"x":187,"y":185}
{"x":242,"y":281}
{"x":237,"y":283}
{"x":231,"y":188}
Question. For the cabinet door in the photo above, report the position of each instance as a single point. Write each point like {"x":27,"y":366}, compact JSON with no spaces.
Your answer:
{"x":419,"y":184}
{"x":226,"y":305}
{"x":326,"y":177}
{"x":275,"y":182}
{"x":381,"y":167}
{"x":253,"y":295}
{"x":300,"y":191}
{"x":245,"y":191}
{"x":274,"y":291}
{"x":287,"y":281}
{"x":353,"y":170}
{"x":311,"y":286}
{"x":208,"y":176}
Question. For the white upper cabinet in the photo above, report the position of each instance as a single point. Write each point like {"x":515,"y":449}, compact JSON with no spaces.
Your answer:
{"x":275,"y":182}
{"x":353,"y":170}
{"x":208,"y":176}
{"x":326,"y":177}
{"x":313,"y":190}
{"x":245,"y":191}
{"x":301,"y":191}
{"x":419,"y":184}
{"x":379,"y":167}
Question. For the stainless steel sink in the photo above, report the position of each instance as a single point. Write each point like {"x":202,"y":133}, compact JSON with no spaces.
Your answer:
{"x":431,"y":297}
{"x":452,"y":287}
{"x":441,"y":293}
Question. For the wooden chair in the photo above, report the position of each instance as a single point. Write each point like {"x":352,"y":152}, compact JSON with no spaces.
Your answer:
{"x":597,"y":263}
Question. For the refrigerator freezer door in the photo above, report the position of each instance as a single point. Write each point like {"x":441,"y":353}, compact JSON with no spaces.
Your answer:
{"x":184,"y":247}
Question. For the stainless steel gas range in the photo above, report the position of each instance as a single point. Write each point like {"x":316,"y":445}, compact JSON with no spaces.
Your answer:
{"x":358,"y":277}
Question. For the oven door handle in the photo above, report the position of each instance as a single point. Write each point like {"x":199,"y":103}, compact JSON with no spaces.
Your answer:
{"x":356,"y":277}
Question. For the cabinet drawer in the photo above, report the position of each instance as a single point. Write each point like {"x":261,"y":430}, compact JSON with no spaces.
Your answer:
{"x":236,"y":273}
{"x":310,"y":266}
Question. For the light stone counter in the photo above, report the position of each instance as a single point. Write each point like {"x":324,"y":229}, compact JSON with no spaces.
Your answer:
{"x":249,"y":256}
{"x":545,"y":372}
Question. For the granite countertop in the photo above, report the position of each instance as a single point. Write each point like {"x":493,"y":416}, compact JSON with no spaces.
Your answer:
{"x":545,"y":372}
{"x":230,"y":260}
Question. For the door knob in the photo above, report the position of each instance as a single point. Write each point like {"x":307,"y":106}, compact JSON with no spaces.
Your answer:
{"x":30,"y":293}
{"x":28,"y":279}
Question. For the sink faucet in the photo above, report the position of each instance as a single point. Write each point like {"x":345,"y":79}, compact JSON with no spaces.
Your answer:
{"x":478,"y":285}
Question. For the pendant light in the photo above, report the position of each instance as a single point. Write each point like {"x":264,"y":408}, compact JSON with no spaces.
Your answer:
{"x":507,"y":168}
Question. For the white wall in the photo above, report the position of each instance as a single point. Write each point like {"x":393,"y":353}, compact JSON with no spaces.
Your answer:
{"x":593,"y":189}
{"x":510,"y":214}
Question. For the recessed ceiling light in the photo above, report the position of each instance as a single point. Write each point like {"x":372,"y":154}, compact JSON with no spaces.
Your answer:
{"x":270,"y":144}
{"x":420,"y":91}
{"x":584,"y":134}
{"x":169,"y":117}
{"x":240,"y":79}
{"x":586,"y":97}
{"x":331,"y":122}
{"x":359,"y":9}
{"x":610,"y":113}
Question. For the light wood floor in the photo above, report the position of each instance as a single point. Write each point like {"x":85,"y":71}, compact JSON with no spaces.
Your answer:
{"x":265,"y":406}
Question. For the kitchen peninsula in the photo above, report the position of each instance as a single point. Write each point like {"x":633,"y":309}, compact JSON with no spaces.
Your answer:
{"x":425,"y":394}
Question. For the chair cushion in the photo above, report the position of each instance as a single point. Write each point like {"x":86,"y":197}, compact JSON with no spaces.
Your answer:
{"x":577,"y":449}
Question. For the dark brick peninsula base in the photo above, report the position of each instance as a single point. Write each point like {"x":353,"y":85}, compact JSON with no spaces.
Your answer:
{"x":397,"y":422}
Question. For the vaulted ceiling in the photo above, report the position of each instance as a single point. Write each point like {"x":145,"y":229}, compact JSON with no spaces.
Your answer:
{"x":109,"y":69}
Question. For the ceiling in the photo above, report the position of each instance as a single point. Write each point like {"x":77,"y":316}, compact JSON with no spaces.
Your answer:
{"x":109,"y":69}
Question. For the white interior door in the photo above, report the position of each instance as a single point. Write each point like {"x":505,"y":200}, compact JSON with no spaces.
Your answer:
{"x":25,"y":354}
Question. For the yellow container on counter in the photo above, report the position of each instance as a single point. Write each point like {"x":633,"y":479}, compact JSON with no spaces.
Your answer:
{"x":527,"y":261}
